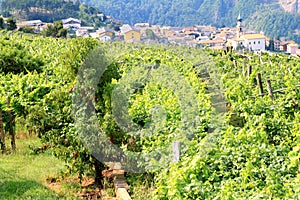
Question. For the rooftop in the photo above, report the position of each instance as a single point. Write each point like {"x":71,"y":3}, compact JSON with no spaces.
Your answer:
{"x":126,"y":28}
{"x":253,"y":36}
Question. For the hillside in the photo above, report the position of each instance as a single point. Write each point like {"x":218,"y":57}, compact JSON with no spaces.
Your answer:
{"x":51,"y":10}
{"x":257,"y":13}
{"x":236,"y":118}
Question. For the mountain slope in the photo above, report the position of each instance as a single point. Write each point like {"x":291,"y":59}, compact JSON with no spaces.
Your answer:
{"x":51,"y":10}
{"x":257,"y":13}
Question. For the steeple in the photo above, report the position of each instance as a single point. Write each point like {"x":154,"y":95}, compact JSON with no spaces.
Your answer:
{"x":239,"y":18}
{"x":239,"y":26}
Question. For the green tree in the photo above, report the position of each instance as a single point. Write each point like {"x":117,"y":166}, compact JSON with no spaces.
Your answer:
{"x":11,"y":24}
{"x":150,"y":34}
{"x":1,"y":23}
{"x":27,"y":29}
{"x":55,"y":30}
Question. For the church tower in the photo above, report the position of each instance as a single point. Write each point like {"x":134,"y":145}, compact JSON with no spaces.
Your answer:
{"x":239,"y":27}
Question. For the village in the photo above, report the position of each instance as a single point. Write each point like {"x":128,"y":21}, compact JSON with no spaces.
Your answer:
{"x":237,"y":38}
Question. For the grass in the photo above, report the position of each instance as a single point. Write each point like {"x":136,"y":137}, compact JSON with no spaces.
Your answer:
{"x":141,"y":186}
{"x":23,"y":175}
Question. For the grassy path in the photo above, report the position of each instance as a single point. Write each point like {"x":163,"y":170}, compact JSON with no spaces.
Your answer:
{"x":23,"y":175}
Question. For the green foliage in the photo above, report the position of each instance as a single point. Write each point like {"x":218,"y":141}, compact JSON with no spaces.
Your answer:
{"x":16,"y":58}
{"x":26,"y":29}
{"x":150,"y":34}
{"x":252,"y":152}
{"x":259,"y":15}
{"x":39,"y":75}
{"x":275,"y":23}
{"x":253,"y":159}
{"x":11,"y":24}
{"x":1,"y":23}
{"x":52,"y":10}
{"x":55,"y":30}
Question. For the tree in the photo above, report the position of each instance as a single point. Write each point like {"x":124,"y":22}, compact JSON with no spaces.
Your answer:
{"x":150,"y":34}
{"x":11,"y":24}
{"x":1,"y":23}
{"x":56,"y":30}
{"x":271,"y":45}
{"x":27,"y":29}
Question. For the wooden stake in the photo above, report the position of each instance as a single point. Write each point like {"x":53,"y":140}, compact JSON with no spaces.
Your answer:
{"x":249,"y":70}
{"x":11,"y":126}
{"x":176,"y":151}
{"x":259,"y":83}
{"x":299,"y":164}
{"x":235,"y":63}
{"x":269,"y":88}
{"x":2,"y":134}
{"x":244,"y":68}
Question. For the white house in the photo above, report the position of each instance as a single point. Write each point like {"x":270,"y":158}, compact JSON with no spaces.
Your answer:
{"x":292,"y":48}
{"x":71,"y":23}
{"x":37,"y":25}
{"x":105,"y":37}
{"x":254,"y":42}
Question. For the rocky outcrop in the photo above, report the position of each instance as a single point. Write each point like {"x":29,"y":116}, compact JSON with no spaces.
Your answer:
{"x":290,"y":5}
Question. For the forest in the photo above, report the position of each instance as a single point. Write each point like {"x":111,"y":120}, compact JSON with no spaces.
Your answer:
{"x":51,"y":11}
{"x":235,"y":115}
{"x":266,"y":16}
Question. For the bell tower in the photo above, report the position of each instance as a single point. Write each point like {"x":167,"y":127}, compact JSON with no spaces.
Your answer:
{"x":239,"y":31}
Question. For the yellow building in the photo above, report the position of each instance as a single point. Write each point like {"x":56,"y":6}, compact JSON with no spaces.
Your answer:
{"x":130,"y":33}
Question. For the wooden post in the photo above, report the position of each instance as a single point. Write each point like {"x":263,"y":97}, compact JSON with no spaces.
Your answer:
{"x":11,"y":126}
{"x":47,"y":76}
{"x":2,"y":134}
{"x":244,"y":68}
{"x":235,"y":63}
{"x":269,"y":88}
{"x":249,"y":70}
{"x":270,"y":62}
{"x":259,"y":83}
{"x":299,"y":163}
{"x":260,"y":59}
{"x":176,"y":151}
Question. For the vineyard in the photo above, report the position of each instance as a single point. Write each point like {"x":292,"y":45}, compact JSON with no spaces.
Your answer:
{"x":184,"y":123}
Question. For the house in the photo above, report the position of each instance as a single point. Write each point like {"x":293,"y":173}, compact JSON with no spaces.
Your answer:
{"x":142,"y":25}
{"x":298,"y":52}
{"x":254,"y":42}
{"x":130,"y":33}
{"x":82,"y":32}
{"x":283,"y":46}
{"x":292,"y":48}
{"x":37,"y":25}
{"x":206,"y":30}
{"x":105,"y":31}
{"x":276,"y":45}
{"x":31,"y":23}
{"x":71,"y":23}
{"x":224,"y":35}
{"x":200,"y":38}
{"x":220,"y":42}
{"x":105,"y":37}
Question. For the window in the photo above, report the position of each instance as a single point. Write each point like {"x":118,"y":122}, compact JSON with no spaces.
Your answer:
{"x":254,"y":42}
{"x":132,"y":36}
{"x":258,"y":42}
{"x":250,"y":43}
